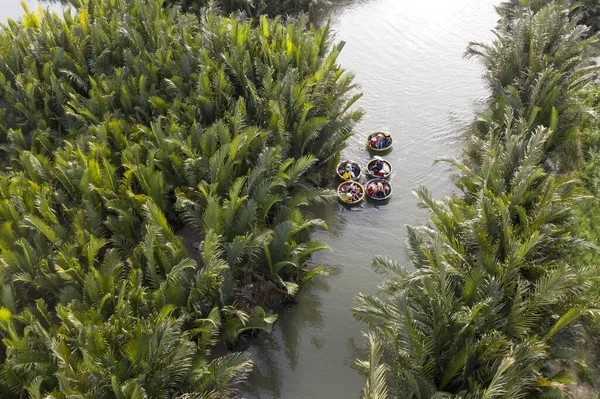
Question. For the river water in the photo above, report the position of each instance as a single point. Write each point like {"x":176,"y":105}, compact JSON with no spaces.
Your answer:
{"x":407,"y":56}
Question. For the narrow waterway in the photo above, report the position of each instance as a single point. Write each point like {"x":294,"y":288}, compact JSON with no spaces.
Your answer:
{"x":408,"y":59}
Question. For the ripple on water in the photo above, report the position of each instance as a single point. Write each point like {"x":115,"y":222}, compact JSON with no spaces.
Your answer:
{"x":408,"y":59}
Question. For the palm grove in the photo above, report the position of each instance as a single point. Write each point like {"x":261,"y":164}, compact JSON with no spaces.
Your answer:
{"x":502,"y":295}
{"x":153,"y":187}
{"x":157,"y":168}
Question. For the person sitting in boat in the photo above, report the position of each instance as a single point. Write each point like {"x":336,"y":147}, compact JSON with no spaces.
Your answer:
{"x":380,"y":193}
{"x":346,"y":171}
{"x":353,"y":170}
{"x":356,"y":194}
{"x":377,"y":168}
{"x":371,"y":190}
{"x":380,"y":140}
{"x":346,"y":193}
{"x":346,"y":196}
{"x":387,"y":140}
{"x":373,"y":142}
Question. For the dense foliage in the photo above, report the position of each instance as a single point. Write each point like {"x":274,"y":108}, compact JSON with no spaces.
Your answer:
{"x":492,"y":307}
{"x":535,"y":70}
{"x":252,"y":8}
{"x":588,"y":228}
{"x":586,"y":10}
{"x":152,"y":192}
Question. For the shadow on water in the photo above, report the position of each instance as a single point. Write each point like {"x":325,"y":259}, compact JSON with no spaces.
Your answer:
{"x":285,"y":340}
{"x":310,"y":316}
{"x":329,"y":10}
{"x":328,"y":212}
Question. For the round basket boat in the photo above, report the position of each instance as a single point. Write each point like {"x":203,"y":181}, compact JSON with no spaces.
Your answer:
{"x":379,"y":167}
{"x":379,"y":189}
{"x":352,"y":170}
{"x":349,"y":194}
{"x":379,"y":141}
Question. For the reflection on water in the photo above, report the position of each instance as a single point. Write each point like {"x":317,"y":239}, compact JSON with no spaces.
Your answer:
{"x":408,"y":59}
{"x":288,"y":337}
{"x":329,"y":10}
{"x":335,"y":219}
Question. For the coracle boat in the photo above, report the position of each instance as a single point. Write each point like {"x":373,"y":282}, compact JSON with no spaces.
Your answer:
{"x":351,"y":192}
{"x":379,"y":141}
{"x":349,"y":170}
{"x":379,"y":189}
{"x":379,"y":167}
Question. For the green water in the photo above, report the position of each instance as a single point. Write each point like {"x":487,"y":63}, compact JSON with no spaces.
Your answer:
{"x":408,"y":59}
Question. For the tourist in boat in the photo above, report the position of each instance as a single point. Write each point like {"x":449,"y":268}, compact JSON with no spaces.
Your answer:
{"x":380,"y":141}
{"x":373,"y":142}
{"x":387,"y":140}
{"x":353,"y":170}
{"x":356,"y":194}
{"x":371,"y":190}
{"x":347,"y":172}
{"x":379,"y":192}
{"x":382,"y":191}
{"x":377,"y":168}
{"x":346,"y":193}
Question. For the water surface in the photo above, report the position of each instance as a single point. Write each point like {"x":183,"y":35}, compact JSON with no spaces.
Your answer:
{"x":408,"y":59}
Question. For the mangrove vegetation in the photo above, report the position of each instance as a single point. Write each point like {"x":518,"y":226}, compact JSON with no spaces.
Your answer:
{"x":156,"y":167}
{"x":500,"y":296}
{"x":159,"y":161}
{"x":252,"y":8}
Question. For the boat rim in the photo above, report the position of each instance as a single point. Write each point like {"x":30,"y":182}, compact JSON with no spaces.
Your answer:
{"x":379,"y":149}
{"x":364,"y":192}
{"x":384,"y":160}
{"x":384,"y":181}
{"x":337,"y":169}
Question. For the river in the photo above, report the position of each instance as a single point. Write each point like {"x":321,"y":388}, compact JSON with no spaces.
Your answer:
{"x":407,"y":56}
{"x":408,"y":59}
